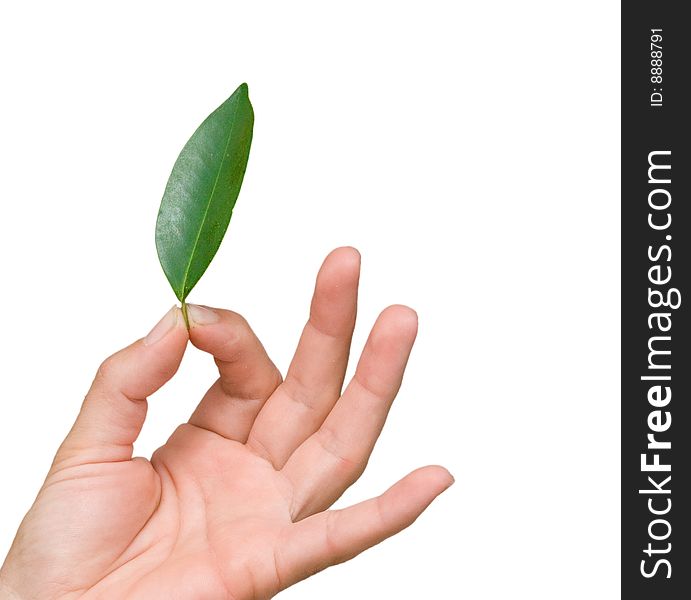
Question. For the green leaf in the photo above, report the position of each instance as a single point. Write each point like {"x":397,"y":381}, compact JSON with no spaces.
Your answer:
{"x":201,"y":192}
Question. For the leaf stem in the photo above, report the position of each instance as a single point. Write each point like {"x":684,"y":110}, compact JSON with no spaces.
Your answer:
{"x":183,"y":306}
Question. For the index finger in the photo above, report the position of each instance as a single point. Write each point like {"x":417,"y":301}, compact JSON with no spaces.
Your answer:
{"x":247,"y":377}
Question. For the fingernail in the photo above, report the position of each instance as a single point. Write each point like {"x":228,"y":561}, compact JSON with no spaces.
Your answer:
{"x":161,"y":328}
{"x":200,"y":315}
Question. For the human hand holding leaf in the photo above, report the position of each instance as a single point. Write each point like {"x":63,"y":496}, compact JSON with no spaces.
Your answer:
{"x":236,"y":503}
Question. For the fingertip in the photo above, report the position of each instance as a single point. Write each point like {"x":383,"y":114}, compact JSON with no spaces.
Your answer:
{"x":216,"y":330}
{"x":342,"y":265}
{"x":437,"y":477}
{"x":334,"y":303}
{"x":170,"y":326}
{"x":180,"y":333}
{"x":346,"y":254}
{"x":159,"y":355}
{"x":402,"y":314}
{"x":179,"y":325}
{"x":430,"y":477}
{"x":411,"y":496}
{"x":199,"y":315}
{"x":398,"y":320}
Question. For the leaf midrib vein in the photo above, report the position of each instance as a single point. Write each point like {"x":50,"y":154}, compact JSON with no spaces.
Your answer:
{"x":208,"y":204}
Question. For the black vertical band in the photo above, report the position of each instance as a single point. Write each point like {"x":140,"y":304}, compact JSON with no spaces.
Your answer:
{"x":656,"y":294}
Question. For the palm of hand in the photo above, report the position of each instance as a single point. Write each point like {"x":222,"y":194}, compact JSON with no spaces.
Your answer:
{"x":219,"y":513}
{"x":232,"y":505}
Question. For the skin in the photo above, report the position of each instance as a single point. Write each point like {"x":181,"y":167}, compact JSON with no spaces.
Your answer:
{"x":236,"y":504}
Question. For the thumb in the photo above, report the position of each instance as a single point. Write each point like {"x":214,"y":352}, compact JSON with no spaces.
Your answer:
{"x":114,"y":409}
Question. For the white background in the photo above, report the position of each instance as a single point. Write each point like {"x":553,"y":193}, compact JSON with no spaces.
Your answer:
{"x":468,"y":150}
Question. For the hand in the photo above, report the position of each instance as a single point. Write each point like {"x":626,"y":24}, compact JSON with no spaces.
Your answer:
{"x":235,"y":504}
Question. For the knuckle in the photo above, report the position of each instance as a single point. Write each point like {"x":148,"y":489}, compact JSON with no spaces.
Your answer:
{"x":348,"y":468}
{"x":238,"y":339}
{"x":107,"y":368}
